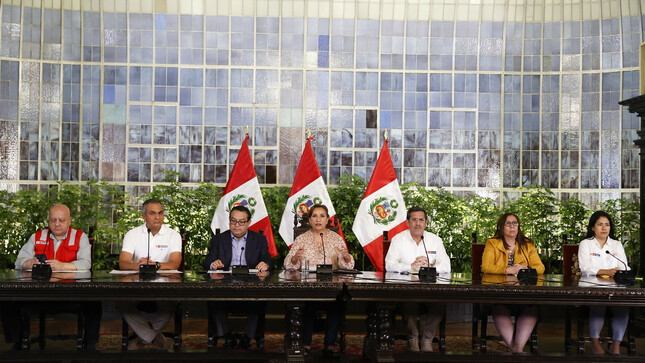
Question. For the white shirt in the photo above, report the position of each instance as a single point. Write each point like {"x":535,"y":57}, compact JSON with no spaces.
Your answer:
{"x":404,"y":250}
{"x":165,"y":242}
{"x":592,"y":258}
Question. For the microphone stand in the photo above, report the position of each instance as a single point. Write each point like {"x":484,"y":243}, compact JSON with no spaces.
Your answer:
{"x":147,"y":271}
{"x":624,"y":277}
{"x":427,"y":273}
{"x":527,"y":275}
{"x":240,"y":269}
{"x":42,"y":271}
{"x":324,"y":268}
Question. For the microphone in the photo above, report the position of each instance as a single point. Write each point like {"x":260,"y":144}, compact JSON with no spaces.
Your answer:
{"x":324,"y":268}
{"x":427,"y":274}
{"x":529,"y":275}
{"x":240,"y":269}
{"x":622,"y":276}
{"x":42,"y":271}
{"x":147,"y":271}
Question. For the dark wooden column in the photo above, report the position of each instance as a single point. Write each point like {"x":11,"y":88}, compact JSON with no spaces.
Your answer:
{"x":637,"y":105}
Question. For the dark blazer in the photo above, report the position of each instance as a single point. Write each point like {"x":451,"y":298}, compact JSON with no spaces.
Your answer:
{"x":257,"y":249}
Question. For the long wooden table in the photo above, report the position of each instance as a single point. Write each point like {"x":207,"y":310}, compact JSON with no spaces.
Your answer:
{"x":294,"y":288}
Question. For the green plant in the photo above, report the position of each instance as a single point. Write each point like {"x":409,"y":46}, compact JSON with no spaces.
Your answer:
{"x":346,"y":198}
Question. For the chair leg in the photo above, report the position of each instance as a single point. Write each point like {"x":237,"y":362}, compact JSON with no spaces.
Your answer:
{"x":534,"y":341}
{"x":178,"y":319}
{"x":259,"y":332}
{"x":41,"y":330}
{"x":124,"y":335}
{"x":581,"y":328}
{"x":567,"y":328}
{"x":475,"y":326}
{"x":80,"y":324}
{"x":26,"y":327}
{"x":342,"y":342}
{"x":484,"y":333}
{"x":442,"y":333}
{"x":212,"y":334}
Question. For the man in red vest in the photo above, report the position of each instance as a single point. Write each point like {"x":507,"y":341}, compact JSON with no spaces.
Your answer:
{"x":66,"y":249}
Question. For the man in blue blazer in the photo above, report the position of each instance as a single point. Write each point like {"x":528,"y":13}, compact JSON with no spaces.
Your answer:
{"x":238,"y":246}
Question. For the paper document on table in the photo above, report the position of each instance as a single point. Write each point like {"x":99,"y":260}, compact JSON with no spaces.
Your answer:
{"x":251,"y":271}
{"x":63,"y":271}
{"x":128,"y":272}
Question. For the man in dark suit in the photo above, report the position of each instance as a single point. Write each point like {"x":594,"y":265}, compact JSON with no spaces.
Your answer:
{"x":236,"y":246}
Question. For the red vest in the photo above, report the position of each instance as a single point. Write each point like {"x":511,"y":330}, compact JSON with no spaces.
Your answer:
{"x":66,"y":251}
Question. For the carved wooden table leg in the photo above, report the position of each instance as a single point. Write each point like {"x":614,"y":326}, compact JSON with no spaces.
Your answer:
{"x":293,"y":338}
{"x":378,"y":345}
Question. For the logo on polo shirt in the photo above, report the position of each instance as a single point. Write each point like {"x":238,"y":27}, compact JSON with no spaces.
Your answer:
{"x":595,"y":254}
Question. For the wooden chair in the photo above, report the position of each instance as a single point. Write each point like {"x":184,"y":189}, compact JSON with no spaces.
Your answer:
{"x":571,"y":270}
{"x":482,"y":311}
{"x":44,"y":310}
{"x":176,"y":335}
{"x":300,"y":226}
{"x":441,"y":340}
{"x":212,"y":329}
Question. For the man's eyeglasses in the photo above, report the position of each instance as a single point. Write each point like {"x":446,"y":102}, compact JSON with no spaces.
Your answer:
{"x":235,"y":222}
{"x":511,"y":224}
{"x":420,"y":220}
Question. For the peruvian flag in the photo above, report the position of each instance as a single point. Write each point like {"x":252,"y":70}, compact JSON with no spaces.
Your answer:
{"x":308,"y":189}
{"x":382,"y":209}
{"x":243,"y":189}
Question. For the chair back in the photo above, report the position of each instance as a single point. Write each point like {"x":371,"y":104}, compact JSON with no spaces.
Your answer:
{"x":476,"y":255}
{"x":570,"y":265}
{"x":182,"y":265}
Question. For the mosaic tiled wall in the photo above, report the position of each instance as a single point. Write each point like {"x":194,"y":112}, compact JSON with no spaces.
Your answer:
{"x":490,"y":95}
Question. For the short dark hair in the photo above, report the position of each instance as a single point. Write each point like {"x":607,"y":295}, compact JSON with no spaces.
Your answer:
{"x":150,"y":201}
{"x":241,"y":208}
{"x":416,"y":208}
{"x":592,"y":222}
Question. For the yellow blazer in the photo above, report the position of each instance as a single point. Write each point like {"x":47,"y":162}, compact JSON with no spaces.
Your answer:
{"x":495,"y":258}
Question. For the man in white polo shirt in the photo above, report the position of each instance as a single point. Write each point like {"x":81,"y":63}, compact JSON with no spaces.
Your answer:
{"x":410,"y":250}
{"x":147,"y":319}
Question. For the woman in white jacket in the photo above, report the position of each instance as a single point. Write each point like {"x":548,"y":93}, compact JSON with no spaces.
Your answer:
{"x":600,"y":254}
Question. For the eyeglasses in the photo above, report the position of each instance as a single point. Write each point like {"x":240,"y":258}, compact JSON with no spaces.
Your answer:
{"x":416,"y":220}
{"x":511,"y":224}
{"x":235,"y":222}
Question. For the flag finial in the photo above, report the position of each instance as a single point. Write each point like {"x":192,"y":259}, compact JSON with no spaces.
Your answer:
{"x":385,"y":134}
{"x":308,"y":134}
{"x":247,"y":130}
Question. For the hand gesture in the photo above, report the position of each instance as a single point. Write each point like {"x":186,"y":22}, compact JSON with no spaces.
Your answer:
{"x":216,"y":265}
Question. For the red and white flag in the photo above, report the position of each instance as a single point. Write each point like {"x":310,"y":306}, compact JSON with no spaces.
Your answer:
{"x":382,"y":209}
{"x":308,"y":189}
{"x":242,"y":188}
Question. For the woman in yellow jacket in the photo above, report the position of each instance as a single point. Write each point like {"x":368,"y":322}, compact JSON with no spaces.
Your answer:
{"x":507,"y":253}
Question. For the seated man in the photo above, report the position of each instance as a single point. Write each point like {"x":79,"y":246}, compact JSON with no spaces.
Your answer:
{"x":148,"y":318}
{"x":66,"y":249}
{"x":408,"y":254}
{"x":226,"y":249}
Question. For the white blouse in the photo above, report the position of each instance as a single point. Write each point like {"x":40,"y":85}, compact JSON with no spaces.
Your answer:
{"x":592,"y":258}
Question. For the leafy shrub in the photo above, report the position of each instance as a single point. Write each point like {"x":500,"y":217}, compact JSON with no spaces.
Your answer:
{"x":107,"y":211}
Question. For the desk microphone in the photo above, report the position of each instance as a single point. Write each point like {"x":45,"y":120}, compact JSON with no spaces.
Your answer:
{"x":529,"y":275}
{"x":622,"y":276}
{"x":147,"y":271}
{"x":240,"y":269}
{"x":427,"y":274}
{"x":42,"y":271}
{"x":324,"y":268}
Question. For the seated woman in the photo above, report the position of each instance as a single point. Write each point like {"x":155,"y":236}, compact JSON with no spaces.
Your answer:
{"x":508,"y":252}
{"x":599,"y":254}
{"x":309,"y":246}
